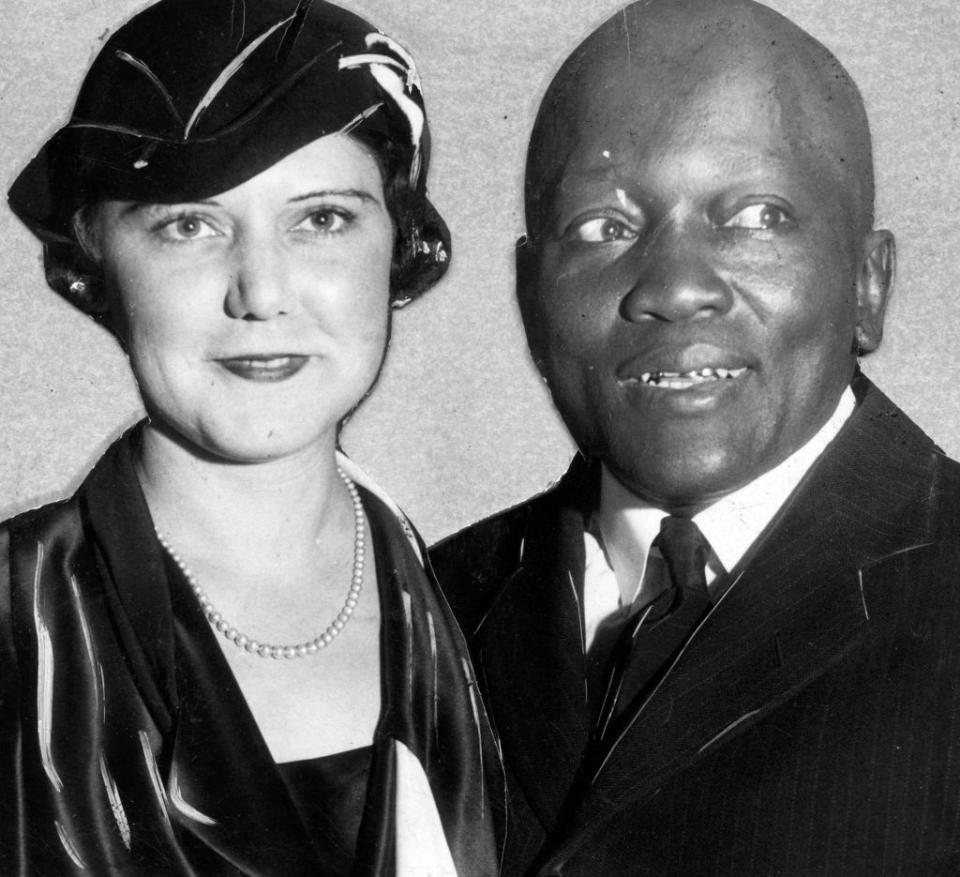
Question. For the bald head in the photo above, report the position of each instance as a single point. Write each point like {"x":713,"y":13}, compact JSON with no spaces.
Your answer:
{"x":701,"y":271}
{"x":659,"y":67}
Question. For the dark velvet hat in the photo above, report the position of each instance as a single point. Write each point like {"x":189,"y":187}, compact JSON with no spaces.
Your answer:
{"x":190,"y":98}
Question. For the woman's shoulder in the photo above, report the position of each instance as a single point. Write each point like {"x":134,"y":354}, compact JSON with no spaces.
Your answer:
{"x":110,"y":484}
{"x":24,"y":540}
{"x":39,"y":523}
{"x":49,"y":531}
{"x":384,"y":514}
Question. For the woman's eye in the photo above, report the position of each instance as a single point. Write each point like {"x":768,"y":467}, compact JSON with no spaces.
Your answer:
{"x":187,"y":228}
{"x":325,"y":221}
{"x":761,"y":217}
{"x":602,"y":230}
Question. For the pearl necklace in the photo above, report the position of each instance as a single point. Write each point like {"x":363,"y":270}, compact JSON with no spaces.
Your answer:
{"x":311,"y":647}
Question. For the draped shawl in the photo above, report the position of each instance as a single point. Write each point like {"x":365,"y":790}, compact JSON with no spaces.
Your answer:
{"x":127,"y":748}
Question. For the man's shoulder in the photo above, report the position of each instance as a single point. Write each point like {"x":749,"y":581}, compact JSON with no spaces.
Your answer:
{"x":473,"y":563}
{"x":490,"y":541}
{"x":947,"y":499}
{"x":893,"y":462}
{"x":488,"y":535}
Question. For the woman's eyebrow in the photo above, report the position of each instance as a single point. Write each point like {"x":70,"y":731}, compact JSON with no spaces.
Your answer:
{"x":360,"y":194}
{"x":146,"y":206}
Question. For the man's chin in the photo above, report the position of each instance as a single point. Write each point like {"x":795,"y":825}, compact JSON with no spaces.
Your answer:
{"x":685,"y":483}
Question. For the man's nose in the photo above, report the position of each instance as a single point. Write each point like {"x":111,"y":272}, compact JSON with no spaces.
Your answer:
{"x":260,"y":282}
{"x":674,"y":277}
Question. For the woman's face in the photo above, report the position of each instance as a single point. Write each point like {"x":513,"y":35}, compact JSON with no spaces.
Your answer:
{"x":256,"y":319}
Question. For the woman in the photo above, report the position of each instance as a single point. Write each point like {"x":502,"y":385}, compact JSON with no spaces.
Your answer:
{"x":223,"y":655}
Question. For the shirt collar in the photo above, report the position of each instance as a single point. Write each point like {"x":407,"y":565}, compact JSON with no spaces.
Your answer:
{"x":628,"y":525}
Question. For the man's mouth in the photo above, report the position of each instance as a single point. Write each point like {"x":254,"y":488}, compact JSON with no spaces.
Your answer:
{"x":667,"y":380}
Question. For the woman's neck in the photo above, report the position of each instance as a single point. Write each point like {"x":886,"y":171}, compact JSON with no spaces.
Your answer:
{"x":261,"y":510}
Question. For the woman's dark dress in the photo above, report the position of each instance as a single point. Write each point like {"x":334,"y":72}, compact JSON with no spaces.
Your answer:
{"x":329,"y":793}
{"x":126,"y":747}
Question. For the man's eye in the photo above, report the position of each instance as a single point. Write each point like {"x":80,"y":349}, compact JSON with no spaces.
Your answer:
{"x":602,"y":230}
{"x":187,"y":228}
{"x":325,"y":221}
{"x":761,"y":217}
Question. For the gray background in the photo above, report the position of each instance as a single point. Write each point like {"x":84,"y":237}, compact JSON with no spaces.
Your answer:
{"x":459,"y":425}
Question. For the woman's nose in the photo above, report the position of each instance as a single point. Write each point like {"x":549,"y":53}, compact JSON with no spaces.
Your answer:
{"x":260,"y":283}
{"x":674,"y":278}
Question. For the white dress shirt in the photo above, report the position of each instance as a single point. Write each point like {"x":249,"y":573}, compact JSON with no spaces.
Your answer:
{"x":616,"y":564}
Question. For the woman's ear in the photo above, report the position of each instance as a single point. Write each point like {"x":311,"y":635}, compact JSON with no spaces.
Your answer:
{"x":421,"y":251}
{"x":874,"y":286}
{"x":86,"y":292}
{"x":73,"y":277}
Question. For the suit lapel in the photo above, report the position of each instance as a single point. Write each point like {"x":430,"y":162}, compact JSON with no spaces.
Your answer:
{"x":531,"y":655}
{"x":763,"y":642}
{"x":796,"y":607}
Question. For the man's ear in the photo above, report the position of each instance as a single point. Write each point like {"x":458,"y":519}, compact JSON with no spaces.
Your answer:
{"x":874,"y":285}
{"x":527,"y":294}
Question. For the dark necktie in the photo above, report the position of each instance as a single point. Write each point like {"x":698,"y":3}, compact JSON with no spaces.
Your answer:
{"x":651,"y":641}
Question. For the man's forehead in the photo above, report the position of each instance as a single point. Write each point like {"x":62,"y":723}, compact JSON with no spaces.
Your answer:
{"x":655,"y":72}
{"x":683,"y":34}
{"x":639,"y":112}
{"x":593,"y":168}
{"x":733,"y":125}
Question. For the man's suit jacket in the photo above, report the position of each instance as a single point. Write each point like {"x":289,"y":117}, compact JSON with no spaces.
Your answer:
{"x":810,"y":726}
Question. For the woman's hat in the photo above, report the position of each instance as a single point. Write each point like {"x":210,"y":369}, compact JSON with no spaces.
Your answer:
{"x":189,"y":99}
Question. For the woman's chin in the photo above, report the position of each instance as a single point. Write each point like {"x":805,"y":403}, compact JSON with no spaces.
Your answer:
{"x":246,"y":443}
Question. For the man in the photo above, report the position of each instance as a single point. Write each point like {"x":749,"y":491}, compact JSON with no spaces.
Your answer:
{"x":728,"y":641}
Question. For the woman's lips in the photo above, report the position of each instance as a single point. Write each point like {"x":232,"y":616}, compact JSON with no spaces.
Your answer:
{"x":271,"y":367}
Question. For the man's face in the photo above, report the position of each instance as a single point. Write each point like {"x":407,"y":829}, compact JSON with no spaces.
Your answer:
{"x":693,"y":295}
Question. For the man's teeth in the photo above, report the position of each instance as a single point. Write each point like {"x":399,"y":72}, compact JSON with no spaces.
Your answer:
{"x":680,"y":381}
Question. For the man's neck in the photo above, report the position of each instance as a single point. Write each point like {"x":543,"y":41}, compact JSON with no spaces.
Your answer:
{"x":628,"y":525}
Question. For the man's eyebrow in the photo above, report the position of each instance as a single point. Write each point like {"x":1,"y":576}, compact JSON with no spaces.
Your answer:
{"x":360,"y":194}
